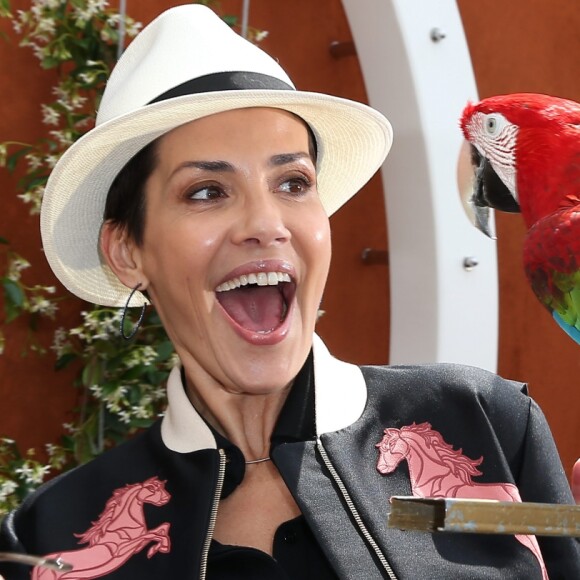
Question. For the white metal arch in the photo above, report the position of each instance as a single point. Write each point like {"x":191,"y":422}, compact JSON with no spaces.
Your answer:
{"x":418,"y":72}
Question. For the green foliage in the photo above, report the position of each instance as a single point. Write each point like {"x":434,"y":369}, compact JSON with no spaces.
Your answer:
{"x":120,"y":384}
{"x":19,"y":475}
{"x":79,"y":39}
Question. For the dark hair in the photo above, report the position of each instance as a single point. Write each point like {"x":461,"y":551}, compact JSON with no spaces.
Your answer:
{"x":125,"y":205}
{"x":126,"y":200}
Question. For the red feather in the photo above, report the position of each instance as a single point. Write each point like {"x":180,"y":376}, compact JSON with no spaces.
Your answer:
{"x":547,"y":169}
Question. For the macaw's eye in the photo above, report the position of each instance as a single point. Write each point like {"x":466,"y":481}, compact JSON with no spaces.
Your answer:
{"x":493,"y":124}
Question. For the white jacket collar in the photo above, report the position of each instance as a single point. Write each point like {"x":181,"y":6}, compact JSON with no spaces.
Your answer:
{"x":340,"y":395}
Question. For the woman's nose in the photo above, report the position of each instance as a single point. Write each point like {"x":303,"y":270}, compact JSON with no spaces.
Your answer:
{"x":261,"y":219}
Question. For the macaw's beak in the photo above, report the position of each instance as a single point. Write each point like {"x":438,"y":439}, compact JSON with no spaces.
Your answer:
{"x":470,"y":189}
{"x":481,"y":189}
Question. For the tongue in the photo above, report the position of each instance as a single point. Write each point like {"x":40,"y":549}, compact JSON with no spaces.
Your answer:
{"x":256,"y":308}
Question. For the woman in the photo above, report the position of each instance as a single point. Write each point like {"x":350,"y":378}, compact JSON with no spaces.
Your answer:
{"x":274,"y":460}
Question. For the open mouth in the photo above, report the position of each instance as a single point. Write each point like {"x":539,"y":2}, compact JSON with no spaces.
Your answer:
{"x":257,"y":302}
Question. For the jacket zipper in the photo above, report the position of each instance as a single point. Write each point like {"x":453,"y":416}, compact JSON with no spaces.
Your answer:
{"x":213,"y":515}
{"x":357,"y":518}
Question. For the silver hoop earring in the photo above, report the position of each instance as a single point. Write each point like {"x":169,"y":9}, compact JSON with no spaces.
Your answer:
{"x":124,"y":314}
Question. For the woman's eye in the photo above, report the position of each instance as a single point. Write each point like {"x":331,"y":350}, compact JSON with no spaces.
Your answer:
{"x":296,"y":185}
{"x":207,"y":193}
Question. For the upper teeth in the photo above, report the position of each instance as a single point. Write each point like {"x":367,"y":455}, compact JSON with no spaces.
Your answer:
{"x":259,"y":278}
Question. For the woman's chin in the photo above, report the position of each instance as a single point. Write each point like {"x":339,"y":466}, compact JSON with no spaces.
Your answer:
{"x":261,"y":389}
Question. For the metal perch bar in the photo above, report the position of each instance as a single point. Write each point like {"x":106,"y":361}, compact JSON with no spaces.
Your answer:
{"x":30,"y":560}
{"x":484,"y":516}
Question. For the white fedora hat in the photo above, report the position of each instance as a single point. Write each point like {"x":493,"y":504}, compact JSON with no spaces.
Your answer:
{"x":185,"y":65}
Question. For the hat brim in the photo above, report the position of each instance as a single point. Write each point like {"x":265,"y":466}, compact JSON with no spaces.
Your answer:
{"x":352,"y":139}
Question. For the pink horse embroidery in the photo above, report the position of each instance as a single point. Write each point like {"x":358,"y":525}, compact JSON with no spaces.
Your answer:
{"x":118,"y":534}
{"x":437,"y":470}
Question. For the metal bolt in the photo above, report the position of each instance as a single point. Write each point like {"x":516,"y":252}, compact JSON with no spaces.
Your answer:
{"x":470,"y":262}
{"x":437,"y":34}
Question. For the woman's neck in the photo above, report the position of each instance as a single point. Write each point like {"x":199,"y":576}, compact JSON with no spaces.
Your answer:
{"x":247,"y":420}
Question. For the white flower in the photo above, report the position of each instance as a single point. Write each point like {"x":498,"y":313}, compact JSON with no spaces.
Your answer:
{"x":51,"y":160}
{"x":38,"y":51}
{"x":98,"y":5}
{"x":260,"y":35}
{"x":173,"y":361}
{"x":78,"y":101}
{"x":31,"y":473}
{"x":143,"y":355}
{"x":34,"y":198}
{"x":25,"y":471}
{"x":34,"y":161}
{"x":159,"y":393}
{"x":60,"y":343}
{"x":47,"y":25}
{"x":70,"y":428}
{"x":63,"y":97}
{"x":49,"y":115}
{"x":133,"y":28}
{"x":76,"y":332}
{"x":140,"y":412}
{"x":37,"y":9}
{"x":7,"y":488}
{"x":114,"y":408}
{"x":16,"y":266}
{"x":57,"y":455}
{"x":43,"y":306}
{"x":87,"y":77}
{"x":62,"y":137}
{"x":92,"y":9}
{"x":83,"y":122}
{"x":124,"y":416}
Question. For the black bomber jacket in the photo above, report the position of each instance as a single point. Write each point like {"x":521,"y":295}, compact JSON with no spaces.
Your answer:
{"x":147,"y":508}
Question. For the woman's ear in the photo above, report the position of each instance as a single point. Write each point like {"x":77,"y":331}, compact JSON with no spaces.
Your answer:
{"x":122,"y":255}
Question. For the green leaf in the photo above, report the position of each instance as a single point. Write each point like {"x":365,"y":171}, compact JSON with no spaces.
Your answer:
{"x":164,"y":350}
{"x":230,"y":20}
{"x":5,"y":9}
{"x":12,"y":160}
{"x":92,"y":373}
{"x":134,"y":373}
{"x":63,"y":361}
{"x":3,"y":240}
{"x":13,"y":292}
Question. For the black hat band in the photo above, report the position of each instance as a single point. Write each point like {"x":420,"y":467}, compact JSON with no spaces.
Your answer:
{"x":225,"y":81}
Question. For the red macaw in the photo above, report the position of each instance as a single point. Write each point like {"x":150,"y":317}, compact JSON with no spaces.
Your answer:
{"x":525,"y":149}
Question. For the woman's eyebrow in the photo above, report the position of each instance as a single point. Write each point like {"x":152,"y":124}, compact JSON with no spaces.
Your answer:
{"x":274,"y":161}
{"x":205,"y":165}
{"x":285,"y":158}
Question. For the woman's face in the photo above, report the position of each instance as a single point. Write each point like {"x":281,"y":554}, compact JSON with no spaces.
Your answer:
{"x":236,"y":247}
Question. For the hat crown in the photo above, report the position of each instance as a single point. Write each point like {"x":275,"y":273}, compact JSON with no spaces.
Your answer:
{"x":184,"y":43}
{"x":186,"y":65}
